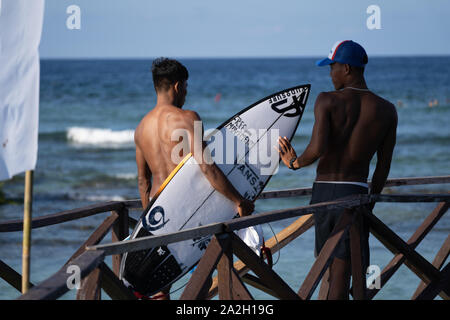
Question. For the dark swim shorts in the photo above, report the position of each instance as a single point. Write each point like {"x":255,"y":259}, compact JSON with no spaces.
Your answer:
{"x":326,"y":221}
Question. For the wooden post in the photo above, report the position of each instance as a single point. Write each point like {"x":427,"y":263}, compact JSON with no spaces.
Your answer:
{"x":325,"y":257}
{"x":11,"y":276}
{"x":256,"y":283}
{"x":240,"y":291}
{"x":358,"y":272}
{"x":113,"y":286}
{"x":324,"y":286}
{"x":438,"y":261}
{"x":119,"y":232}
{"x":90,"y":288}
{"x":205,"y":268}
{"x":433,"y":288}
{"x":26,"y":244}
{"x":224,"y":268}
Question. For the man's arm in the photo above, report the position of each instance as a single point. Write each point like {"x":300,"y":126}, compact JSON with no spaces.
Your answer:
{"x":144,"y":177}
{"x":211,"y":171}
{"x":384,"y":158}
{"x":319,"y":138}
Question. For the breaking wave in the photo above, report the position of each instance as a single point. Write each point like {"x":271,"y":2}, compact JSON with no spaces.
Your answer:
{"x":97,"y":136}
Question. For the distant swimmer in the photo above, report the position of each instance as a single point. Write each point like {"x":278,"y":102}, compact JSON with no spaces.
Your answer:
{"x":352,"y":124}
{"x":154,"y":144}
{"x":399,"y":103}
{"x":433,"y":103}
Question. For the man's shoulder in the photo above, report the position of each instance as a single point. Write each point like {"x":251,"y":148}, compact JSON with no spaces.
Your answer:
{"x":327,"y":99}
{"x":387,"y":106}
{"x":171,"y":112}
{"x":191,"y":114}
{"x":180,"y":118}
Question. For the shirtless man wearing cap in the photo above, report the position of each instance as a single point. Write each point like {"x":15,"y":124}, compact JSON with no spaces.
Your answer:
{"x":352,"y":124}
{"x":154,"y":143}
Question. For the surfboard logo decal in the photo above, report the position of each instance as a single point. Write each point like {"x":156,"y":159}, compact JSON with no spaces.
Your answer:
{"x":155,"y":220}
{"x":296,"y":105}
{"x":201,"y":242}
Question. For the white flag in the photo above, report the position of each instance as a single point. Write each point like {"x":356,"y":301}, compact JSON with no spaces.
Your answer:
{"x":20,"y":35}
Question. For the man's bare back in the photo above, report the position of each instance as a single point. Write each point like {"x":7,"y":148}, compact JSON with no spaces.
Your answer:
{"x":359,"y":123}
{"x":154,"y":144}
{"x":351,"y":125}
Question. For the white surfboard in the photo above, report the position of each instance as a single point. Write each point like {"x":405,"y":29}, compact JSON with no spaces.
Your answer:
{"x":242,"y":147}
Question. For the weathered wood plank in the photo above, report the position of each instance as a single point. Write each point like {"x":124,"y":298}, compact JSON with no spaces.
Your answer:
{"x":261,"y":269}
{"x":395,"y":182}
{"x":240,"y":291}
{"x":153,"y":241}
{"x":438,"y":262}
{"x":432,"y":289}
{"x":398,"y":198}
{"x":418,"y":264}
{"x":425,"y":227}
{"x":325,"y":256}
{"x":199,"y":279}
{"x":255,"y":282}
{"x":96,"y":236}
{"x":60,"y":217}
{"x":90,"y":288}
{"x":133,"y":204}
{"x":132,"y":222}
{"x":288,"y":193}
{"x":113,"y":287}
{"x":119,"y":232}
{"x":224,"y":268}
{"x":324,"y":286}
{"x":12,"y":277}
{"x":358,"y":272}
{"x":56,"y":285}
{"x":276,"y":215}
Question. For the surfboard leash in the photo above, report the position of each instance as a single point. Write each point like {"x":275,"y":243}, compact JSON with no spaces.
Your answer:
{"x":268,"y":251}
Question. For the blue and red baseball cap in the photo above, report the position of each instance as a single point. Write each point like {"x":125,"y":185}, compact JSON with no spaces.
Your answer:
{"x":346,"y":52}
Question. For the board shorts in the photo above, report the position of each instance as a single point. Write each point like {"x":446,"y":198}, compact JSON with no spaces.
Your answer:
{"x":326,"y":221}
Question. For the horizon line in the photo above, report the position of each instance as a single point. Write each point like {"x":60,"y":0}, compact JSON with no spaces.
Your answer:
{"x":235,"y":57}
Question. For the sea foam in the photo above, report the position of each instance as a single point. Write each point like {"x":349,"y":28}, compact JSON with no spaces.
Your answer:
{"x":97,"y":136}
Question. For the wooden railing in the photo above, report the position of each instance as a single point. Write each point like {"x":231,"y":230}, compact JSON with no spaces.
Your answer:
{"x":229,"y":283}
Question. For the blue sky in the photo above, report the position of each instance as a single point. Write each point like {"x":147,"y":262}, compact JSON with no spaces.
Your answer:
{"x":245,"y":28}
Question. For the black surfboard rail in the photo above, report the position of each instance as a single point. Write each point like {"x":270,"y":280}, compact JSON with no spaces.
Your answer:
{"x":96,"y":274}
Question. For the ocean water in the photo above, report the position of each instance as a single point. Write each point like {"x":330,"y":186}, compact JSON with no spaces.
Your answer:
{"x":89,"y":109}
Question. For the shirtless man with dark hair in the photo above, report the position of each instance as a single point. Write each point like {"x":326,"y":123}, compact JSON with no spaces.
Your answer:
{"x":352,"y":124}
{"x":153,"y":138}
